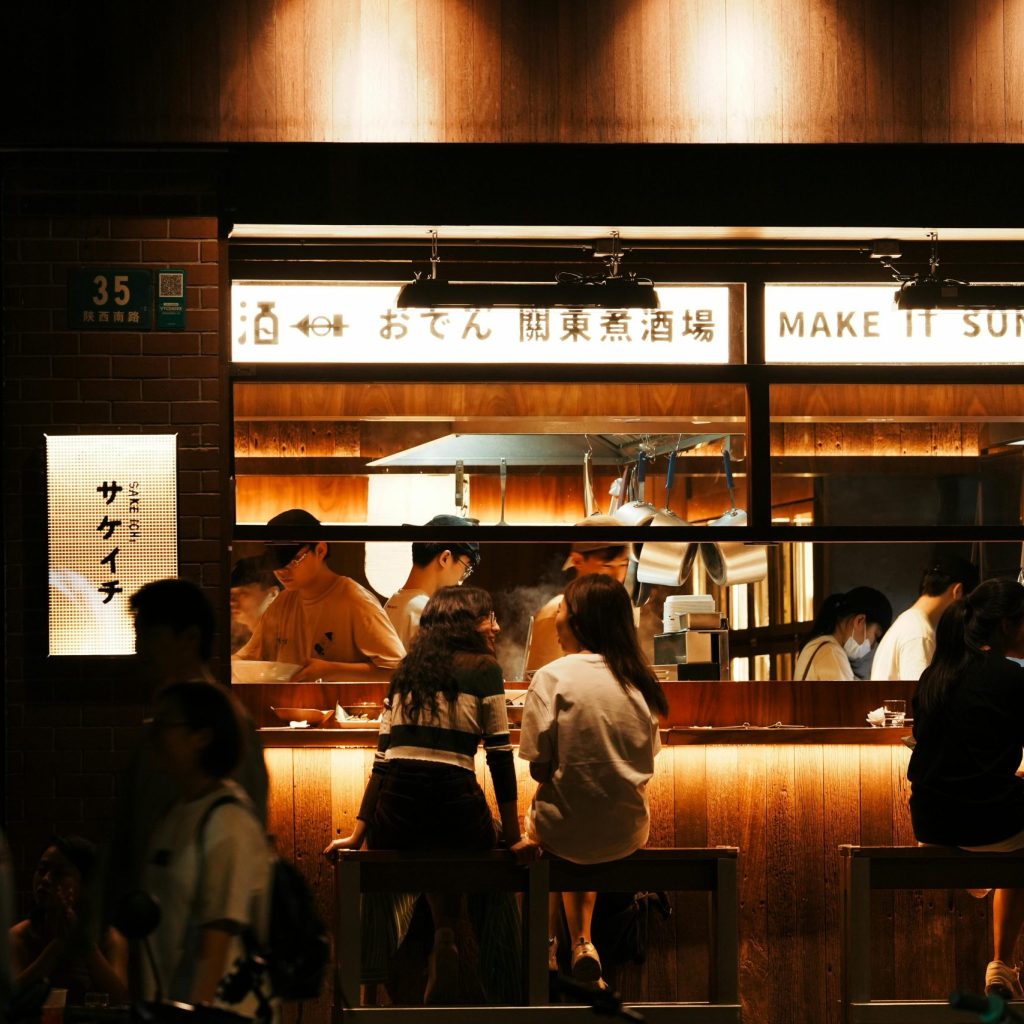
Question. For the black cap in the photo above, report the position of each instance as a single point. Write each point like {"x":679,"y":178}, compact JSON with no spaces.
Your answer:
{"x":304,"y":523}
{"x":468,"y":548}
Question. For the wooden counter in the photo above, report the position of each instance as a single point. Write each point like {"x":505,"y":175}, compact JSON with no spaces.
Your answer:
{"x":786,"y":798}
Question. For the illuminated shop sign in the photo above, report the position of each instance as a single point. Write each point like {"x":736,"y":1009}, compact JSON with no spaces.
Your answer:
{"x":329,"y":322}
{"x":825,"y":323}
{"x":113,"y":527}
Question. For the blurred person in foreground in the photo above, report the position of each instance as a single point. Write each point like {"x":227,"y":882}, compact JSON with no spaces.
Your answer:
{"x":328,"y":625}
{"x":53,"y":945}
{"x":590,"y":733}
{"x":208,"y":864}
{"x":174,"y":631}
{"x":969,"y":733}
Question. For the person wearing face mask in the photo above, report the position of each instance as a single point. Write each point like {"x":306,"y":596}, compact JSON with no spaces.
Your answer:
{"x":845,"y":629}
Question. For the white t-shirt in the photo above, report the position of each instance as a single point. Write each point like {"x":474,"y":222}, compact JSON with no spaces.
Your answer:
{"x":823,"y":658}
{"x":906,"y":649}
{"x":404,"y":609}
{"x":234,"y":886}
{"x":600,"y":740}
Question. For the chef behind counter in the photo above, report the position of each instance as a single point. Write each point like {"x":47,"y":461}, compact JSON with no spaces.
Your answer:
{"x":585,"y":559}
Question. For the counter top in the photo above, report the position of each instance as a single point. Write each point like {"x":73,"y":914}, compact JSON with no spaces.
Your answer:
{"x":736,"y":735}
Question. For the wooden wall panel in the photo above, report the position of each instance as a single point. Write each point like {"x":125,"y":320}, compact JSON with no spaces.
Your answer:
{"x":318,"y":401}
{"x":788,"y":808}
{"x":504,"y":70}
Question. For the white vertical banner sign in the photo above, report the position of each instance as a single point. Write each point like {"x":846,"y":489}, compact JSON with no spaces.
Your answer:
{"x":113,"y":527}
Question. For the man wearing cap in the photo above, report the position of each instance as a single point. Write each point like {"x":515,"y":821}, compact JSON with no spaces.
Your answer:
{"x":329,"y":625}
{"x":585,"y":559}
{"x":908,"y":645}
{"x":435,"y":564}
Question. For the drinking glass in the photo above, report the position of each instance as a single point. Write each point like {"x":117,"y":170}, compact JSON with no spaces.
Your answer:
{"x":895,"y":713}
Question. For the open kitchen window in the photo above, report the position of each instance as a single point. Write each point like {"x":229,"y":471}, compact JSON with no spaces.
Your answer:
{"x":875,"y":455}
{"x":523,"y":454}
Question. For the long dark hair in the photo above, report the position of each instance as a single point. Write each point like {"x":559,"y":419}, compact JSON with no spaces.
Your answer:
{"x":966,"y":628}
{"x":866,"y":601}
{"x":448,"y":627}
{"x":601,"y":618}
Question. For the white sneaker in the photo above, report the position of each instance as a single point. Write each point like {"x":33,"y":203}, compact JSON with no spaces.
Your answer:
{"x":1003,"y":980}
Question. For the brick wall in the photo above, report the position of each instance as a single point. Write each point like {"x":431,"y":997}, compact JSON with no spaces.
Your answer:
{"x":71,"y":722}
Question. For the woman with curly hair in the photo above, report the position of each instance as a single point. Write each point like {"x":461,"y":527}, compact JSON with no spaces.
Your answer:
{"x":446,"y":698}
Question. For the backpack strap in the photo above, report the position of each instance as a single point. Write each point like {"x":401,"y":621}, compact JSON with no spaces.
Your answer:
{"x":810,"y":661}
{"x":201,"y":846}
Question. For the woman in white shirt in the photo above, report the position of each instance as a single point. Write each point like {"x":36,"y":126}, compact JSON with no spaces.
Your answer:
{"x":209,"y":863}
{"x":590,"y":733}
{"x":846,"y":628}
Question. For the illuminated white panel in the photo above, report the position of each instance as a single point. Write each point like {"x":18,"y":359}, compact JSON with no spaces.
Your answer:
{"x":824,"y":323}
{"x":113,"y":527}
{"x":393,"y":501}
{"x":341,"y":322}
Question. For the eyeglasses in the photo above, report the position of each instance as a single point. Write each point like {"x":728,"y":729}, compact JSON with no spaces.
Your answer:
{"x":297,"y":560}
{"x":489,"y":620}
{"x":468,"y":568}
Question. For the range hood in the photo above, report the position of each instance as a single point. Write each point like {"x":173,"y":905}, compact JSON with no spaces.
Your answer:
{"x":539,"y":449}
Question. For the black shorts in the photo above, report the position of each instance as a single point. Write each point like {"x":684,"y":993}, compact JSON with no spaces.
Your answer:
{"x":425,"y":805}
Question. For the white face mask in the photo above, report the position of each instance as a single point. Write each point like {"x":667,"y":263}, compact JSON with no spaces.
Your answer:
{"x":855,"y":651}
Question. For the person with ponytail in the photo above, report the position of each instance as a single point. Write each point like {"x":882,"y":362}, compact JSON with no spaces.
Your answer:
{"x":846,"y":628}
{"x":969,"y":733}
{"x":590,"y":733}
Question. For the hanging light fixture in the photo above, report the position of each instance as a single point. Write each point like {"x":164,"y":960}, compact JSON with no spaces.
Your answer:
{"x":576,"y":291}
{"x":929,"y":291}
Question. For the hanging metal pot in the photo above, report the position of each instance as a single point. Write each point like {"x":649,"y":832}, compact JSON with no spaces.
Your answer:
{"x":735,"y":516}
{"x":666,"y":563}
{"x":733,"y":562}
{"x":589,"y":504}
{"x":637,"y":512}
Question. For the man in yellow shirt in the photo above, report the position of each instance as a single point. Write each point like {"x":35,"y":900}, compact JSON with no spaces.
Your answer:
{"x":327,"y":624}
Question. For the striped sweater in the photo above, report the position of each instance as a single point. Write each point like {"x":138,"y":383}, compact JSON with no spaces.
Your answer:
{"x":452,"y":737}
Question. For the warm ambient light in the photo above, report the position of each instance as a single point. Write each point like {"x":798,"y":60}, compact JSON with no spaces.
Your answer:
{"x":113,"y":527}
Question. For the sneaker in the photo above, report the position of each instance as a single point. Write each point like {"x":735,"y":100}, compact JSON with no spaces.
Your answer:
{"x":979,"y":894}
{"x":586,"y":964}
{"x":442,"y":970}
{"x":553,"y":955}
{"x":1003,"y":980}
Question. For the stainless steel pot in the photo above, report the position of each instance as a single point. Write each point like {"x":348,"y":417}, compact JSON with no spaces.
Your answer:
{"x":637,"y":512}
{"x":732,"y":562}
{"x":666,"y":563}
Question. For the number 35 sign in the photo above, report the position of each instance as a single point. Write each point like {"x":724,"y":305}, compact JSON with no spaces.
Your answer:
{"x":106,"y":299}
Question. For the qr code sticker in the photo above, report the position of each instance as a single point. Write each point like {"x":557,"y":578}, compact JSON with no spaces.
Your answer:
{"x":171,"y":286}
